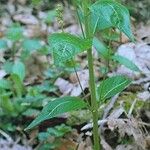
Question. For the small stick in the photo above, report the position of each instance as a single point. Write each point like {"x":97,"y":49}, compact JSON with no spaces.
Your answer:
{"x":90,"y":125}
{"x":131,"y":108}
{"x":6,"y":135}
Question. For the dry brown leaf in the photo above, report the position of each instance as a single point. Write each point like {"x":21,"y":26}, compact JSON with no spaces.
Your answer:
{"x":138,"y":53}
{"x":83,"y":75}
{"x":67,"y":144}
{"x":11,"y":8}
{"x":6,"y":145}
{"x":105,"y":145}
{"x":148,"y":142}
{"x":85,"y":145}
{"x":129,"y":127}
{"x":26,"y":19}
{"x":35,"y":30}
{"x":64,"y":86}
{"x":6,"y":20}
{"x":73,"y":29}
{"x":22,"y":2}
{"x":145,"y":96}
{"x":143,"y":33}
{"x":127,"y":147}
{"x":81,"y":146}
{"x":73,"y":88}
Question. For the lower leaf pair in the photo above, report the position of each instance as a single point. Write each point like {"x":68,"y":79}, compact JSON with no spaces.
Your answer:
{"x":105,"y":90}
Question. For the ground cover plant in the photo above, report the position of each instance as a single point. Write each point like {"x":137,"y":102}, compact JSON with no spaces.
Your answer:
{"x":64,"y":46}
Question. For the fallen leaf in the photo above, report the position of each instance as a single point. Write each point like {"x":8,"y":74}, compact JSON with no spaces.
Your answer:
{"x":105,"y":145}
{"x":64,"y":86}
{"x":139,"y":53}
{"x":129,"y":127}
{"x":67,"y":144}
{"x":6,"y":145}
{"x":144,"y":95}
{"x":126,"y":147}
{"x":26,"y":19}
{"x":73,"y":88}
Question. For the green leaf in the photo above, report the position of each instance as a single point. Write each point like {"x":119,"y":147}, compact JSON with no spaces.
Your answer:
{"x":36,"y":2}
{"x":101,"y":48}
{"x":110,"y":35}
{"x":65,"y":46}
{"x":17,"y":85}
{"x":3,"y":44}
{"x":30,"y":112}
{"x":57,"y":107}
{"x":126,"y":62}
{"x":43,"y":136}
{"x":108,"y":13}
{"x":50,"y":16}
{"x":112,"y":86}
{"x":6,"y":103}
{"x":5,"y":84}
{"x":31,"y":45}
{"x":19,"y":69}
{"x":7,"y":66}
{"x":14,"y":33}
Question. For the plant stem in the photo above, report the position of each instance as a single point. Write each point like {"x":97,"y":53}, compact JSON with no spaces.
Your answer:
{"x":94,"y":104}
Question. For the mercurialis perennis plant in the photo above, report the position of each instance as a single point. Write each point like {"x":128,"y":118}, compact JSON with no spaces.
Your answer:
{"x":93,"y":17}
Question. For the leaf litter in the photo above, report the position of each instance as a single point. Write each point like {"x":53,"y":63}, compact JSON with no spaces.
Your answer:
{"x":137,"y":52}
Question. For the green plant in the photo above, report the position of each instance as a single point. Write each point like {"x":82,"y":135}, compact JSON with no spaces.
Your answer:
{"x":51,"y":139}
{"x":64,"y":47}
{"x":16,"y":99}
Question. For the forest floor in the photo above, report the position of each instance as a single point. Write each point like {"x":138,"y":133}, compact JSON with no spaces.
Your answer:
{"x":125,"y":122}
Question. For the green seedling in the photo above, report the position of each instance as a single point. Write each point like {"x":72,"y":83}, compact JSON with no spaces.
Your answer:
{"x":51,"y":139}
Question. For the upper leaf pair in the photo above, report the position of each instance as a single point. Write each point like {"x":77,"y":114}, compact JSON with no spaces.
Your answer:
{"x":104,"y":14}
{"x":107,"y":14}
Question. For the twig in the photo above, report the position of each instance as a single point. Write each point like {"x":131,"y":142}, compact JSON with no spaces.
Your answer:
{"x":131,"y":108}
{"x":6,"y":135}
{"x":144,"y":123}
{"x":90,"y":125}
